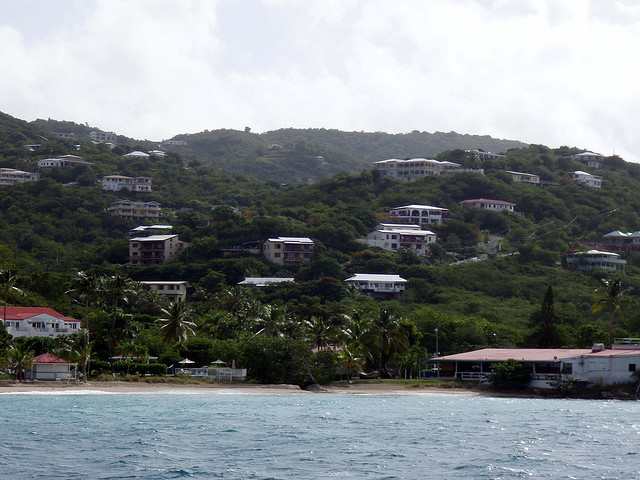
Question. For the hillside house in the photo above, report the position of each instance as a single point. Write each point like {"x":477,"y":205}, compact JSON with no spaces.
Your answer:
{"x":595,"y":365}
{"x":103,"y":136}
{"x":420,"y":214}
{"x":174,"y":291}
{"x":293,"y":251}
{"x":486,"y":204}
{"x":418,"y":168}
{"x":378,"y":285}
{"x":590,"y":159}
{"x":131,"y":210}
{"x":175,"y":143}
{"x":585,"y":178}
{"x":264,"y":281}
{"x":392,"y":237}
{"x":116,"y":183}
{"x":154,"y":249}
{"x":594,"y":259}
{"x":621,"y":241}
{"x":157,"y":153}
{"x":11,"y":176}
{"x":37,"y":322}
{"x":64,"y":162}
{"x":137,"y":154}
{"x":480,"y":155}
{"x":521,"y":177}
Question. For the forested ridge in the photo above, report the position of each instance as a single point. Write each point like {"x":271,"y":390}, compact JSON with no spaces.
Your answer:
{"x":57,"y":227}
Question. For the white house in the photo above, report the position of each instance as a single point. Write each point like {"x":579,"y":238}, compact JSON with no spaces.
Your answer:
{"x":420,"y":214}
{"x":116,"y":183}
{"x":49,"y":367}
{"x":522,"y":177}
{"x":136,"y":154}
{"x":174,"y":291}
{"x":134,"y":210}
{"x":392,"y":237}
{"x":418,"y":168}
{"x":11,"y":176}
{"x":157,"y":153}
{"x":594,"y":259}
{"x":486,"y":204}
{"x":63,"y":161}
{"x":37,"y":322}
{"x":595,"y":365}
{"x":103,"y":136}
{"x":590,"y":159}
{"x":377,"y":284}
{"x":585,"y":178}
{"x":264,"y":281}
{"x":146,"y":230}
{"x":294,"y":251}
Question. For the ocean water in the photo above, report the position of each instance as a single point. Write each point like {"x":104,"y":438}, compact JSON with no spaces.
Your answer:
{"x":194,"y":434}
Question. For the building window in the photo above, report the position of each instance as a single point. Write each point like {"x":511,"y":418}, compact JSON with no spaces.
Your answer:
{"x":276,"y":255}
{"x":632,"y":367}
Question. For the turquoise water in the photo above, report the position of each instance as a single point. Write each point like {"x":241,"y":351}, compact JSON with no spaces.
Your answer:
{"x":315,"y":436}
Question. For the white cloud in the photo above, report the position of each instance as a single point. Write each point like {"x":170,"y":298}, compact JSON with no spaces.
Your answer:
{"x":544,"y":72}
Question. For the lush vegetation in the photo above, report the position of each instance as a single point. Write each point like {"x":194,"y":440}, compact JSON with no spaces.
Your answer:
{"x":519,"y":294}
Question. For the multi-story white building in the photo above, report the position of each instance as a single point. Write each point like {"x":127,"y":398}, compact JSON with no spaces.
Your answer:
{"x":590,"y":159}
{"x":292,"y":251}
{"x":419,"y":214}
{"x":585,"y":178}
{"x":11,"y":176}
{"x":486,"y":204}
{"x":524,"y":177}
{"x":103,"y":136}
{"x":392,"y":237}
{"x":377,"y":284}
{"x":174,"y":291}
{"x":116,"y":183}
{"x":135,"y":210}
{"x":63,"y":161}
{"x":154,"y":250}
{"x":595,"y":259}
{"x":418,"y":168}
{"x":37,"y":322}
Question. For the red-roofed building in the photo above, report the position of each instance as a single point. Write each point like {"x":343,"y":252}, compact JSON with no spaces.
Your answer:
{"x":595,"y":365}
{"x":50,"y":367}
{"x":37,"y":322}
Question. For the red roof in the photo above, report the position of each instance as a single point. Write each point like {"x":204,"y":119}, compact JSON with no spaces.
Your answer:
{"x":48,"y":358}
{"x":532,"y":354}
{"x":23,"y":313}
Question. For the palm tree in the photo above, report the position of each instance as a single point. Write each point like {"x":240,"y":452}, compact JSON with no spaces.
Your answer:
{"x":319,"y":331}
{"x":176,"y":324}
{"x":131,"y":350}
{"x":610,"y":299}
{"x":117,"y":288}
{"x":349,"y":359}
{"x":78,"y":348}
{"x":272,"y":320}
{"x":87,"y":287}
{"x":8,"y":281}
{"x":390,"y":336}
{"x":19,"y":359}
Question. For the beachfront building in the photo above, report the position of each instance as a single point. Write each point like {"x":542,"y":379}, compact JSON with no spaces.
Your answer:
{"x":37,"y":322}
{"x":154,"y":249}
{"x":378,"y":285}
{"x":49,"y":367}
{"x":522,"y":177}
{"x":595,"y":365}
{"x":131,"y":210}
{"x":418,"y":168}
{"x":594,"y":259}
{"x":622,"y":241}
{"x":174,"y":291}
{"x":116,"y":183}
{"x":419,"y":214}
{"x":11,"y":176}
{"x":252,"y":282}
{"x":486,"y":204}
{"x":392,"y":237}
{"x":64,"y":162}
{"x":292,"y":251}
{"x":585,"y":178}
{"x":590,"y":159}
{"x":480,"y":155}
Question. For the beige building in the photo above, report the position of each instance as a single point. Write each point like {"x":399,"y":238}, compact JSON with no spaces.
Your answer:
{"x":174,"y":291}
{"x":116,"y":183}
{"x":293,"y":251}
{"x":419,"y":214}
{"x":134,"y":210}
{"x":11,"y":176}
{"x":522,"y":177}
{"x":153,"y":250}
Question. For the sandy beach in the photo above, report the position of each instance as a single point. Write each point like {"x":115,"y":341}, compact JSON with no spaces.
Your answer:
{"x":220,"y":388}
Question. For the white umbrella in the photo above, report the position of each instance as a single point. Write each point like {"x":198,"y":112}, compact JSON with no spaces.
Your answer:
{"x":220,"y":362}
{"x":185,"y":361}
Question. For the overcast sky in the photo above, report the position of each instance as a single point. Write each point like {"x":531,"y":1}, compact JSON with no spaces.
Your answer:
{"x":555,"y":72}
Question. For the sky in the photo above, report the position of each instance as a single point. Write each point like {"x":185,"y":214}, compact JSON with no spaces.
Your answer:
{"x":552,"y":72}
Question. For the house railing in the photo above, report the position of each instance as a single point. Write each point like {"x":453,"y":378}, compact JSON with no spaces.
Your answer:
{"x":476,"y":376}
{"x":230,"y":374}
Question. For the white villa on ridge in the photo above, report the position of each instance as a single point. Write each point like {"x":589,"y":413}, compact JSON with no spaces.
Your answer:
{"x":590,"y":159}
{"x":146,"y":230}
{"x":595,"y":259}
{"x":522,"y":177}
{"x":486,"y":204}
{"x":585,"y":178}
{"x":294,"y":251}
{"x":378,"y":285}
{"x":479,"y":155}
{"x":392,"y":237}
{"x":103,"y":136}
{"x":419,"y":214}
{"x":116,"y":183}
{"x":418,"y":168}
{"x":37,"y":322}
{"x":136,"y":154}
